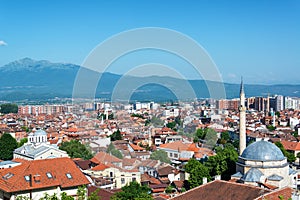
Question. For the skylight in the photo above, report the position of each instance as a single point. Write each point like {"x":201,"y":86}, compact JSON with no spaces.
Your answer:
{"x":69,"y":175}
{"x":8,"y":176}
{"x":49,"y":175}
{"x":27,"y":178}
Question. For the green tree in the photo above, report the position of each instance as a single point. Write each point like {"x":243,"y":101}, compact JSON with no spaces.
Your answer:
{"x":81,"y":192}
{"x":76,"y":150}
{"x":298,"y":156}
{"x":49,"y":197}
{"x":225,"y":135}
{"x":156,"y":122}
{"x":22,"y":198}
{"x":224,"y":162}
{"x":169,"y":189}
{"x":133,"y":191}
{"x":171,"y":125}
{"x":116,"y":136}
{"x":271,"y":128}
{"x":290,"y":156}
{"x":7,"y":146}
{"x":94,"y":195}
{"x":115,"y":152}
{"x":8,"y":108}
{"x":200,"y":133}
{"x":211,"y":138}
{"x":197,"y":172}
{"x":22,"y":142}
{"x":160,"y":155}
{"x":64,"y":196}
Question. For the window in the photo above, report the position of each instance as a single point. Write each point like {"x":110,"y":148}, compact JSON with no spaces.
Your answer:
{"x":27,"y":178}
{"x":122,"y":180}
{"x":175,"y":155}
{"x":8,"y":176}
{"x":133,"y":179}
{"x":49,"y":175}
{"x":69,"y":175}
{"x":171,"y":154}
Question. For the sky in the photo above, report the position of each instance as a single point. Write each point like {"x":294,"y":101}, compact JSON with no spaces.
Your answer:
{"x":256,"y":39}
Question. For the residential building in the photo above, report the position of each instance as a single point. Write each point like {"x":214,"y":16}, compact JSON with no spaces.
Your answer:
{"x":35,"y":178}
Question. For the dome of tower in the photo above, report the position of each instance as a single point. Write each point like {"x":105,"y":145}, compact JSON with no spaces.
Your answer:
{"x":40,"y":132}
{"x":262,"y":151}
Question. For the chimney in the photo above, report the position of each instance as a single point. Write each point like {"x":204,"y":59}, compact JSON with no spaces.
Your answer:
{"x":217,"y":177}
{"x":204,"y":180}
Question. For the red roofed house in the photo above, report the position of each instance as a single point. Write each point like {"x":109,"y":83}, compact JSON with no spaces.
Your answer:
{"x":180,"y":151}
{"x":37,"y":177}
{"x":290,"y":146}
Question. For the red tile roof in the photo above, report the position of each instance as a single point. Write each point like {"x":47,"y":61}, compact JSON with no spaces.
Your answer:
{"x":136,"y":147}
{"x":178,"y":145}
{"x":292,"y":146}
{"x":59,"y":169}
{"x":105,"y":158}
{"x":100,"y":167}
{"x":222,"y":190}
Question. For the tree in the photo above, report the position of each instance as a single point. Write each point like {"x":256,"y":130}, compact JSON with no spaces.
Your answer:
{"x":200,"y":133}
{"x":81,"y":192}
{"x":76,"y":150}
{"x":160,"y":155}
{"x":197,"y":172}
{"x":64,"y":196}
{"x":8,"y":108}
{"x":22,"y":142}
{"x":211,"y":137}
{"x":115,"y":152}
{"x":298,"y":156}
{"x":94,"y":195}
{"x":224,"y":162}
{"x":116,"y":136}
{"x":7,"y":146}
{"x":133,"y":191}
{"x":156,"y":121}
{"x":225,"y":135}
{"x":290,"y":156}
{"x":271,"y":128}
{"x":49,"y":197}
{"x":171,"y":125}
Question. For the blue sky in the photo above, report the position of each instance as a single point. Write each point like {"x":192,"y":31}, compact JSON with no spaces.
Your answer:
{"x":259,"y":40}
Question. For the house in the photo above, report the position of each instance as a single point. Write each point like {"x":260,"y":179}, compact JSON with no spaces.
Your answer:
{"x":223,"y":190}
{"x":119,"y":176}
{"x":181,"y":152}
{"x":293,"y":147}
{"x":36,"y":177}
{"x":105,"y":158}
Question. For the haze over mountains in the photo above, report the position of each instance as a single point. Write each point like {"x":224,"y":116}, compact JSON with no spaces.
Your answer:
{"x":37,"y":80}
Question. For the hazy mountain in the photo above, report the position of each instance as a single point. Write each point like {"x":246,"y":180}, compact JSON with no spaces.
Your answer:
{"x":34,"y":80}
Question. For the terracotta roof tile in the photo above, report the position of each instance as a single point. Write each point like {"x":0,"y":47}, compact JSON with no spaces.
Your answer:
{"x":222,"y":190}
{"x":63,"y":173}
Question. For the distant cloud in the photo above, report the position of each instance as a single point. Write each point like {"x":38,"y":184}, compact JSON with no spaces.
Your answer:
{"x":2,"y":43}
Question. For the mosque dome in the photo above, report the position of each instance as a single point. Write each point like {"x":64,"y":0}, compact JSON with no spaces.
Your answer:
{"x":262,"y":151}
{"x":40,"y":133}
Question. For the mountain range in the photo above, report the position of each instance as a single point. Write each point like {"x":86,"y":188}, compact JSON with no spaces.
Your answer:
{"x":28,"y":79}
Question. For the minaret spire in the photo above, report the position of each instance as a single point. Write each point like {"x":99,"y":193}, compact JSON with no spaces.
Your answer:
{"x":242,"y":110}
{"x":242,"y":86}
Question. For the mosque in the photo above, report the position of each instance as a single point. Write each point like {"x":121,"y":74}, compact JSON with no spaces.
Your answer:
{"x":261,"y":163}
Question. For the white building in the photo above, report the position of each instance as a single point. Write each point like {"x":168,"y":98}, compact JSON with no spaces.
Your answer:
{"x":38,"y":148}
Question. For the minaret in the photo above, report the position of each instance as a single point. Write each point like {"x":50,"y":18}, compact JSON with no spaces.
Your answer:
{"x":242,"y":110}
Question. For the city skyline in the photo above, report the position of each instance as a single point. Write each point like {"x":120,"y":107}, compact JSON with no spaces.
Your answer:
{"x":257,"y":39}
